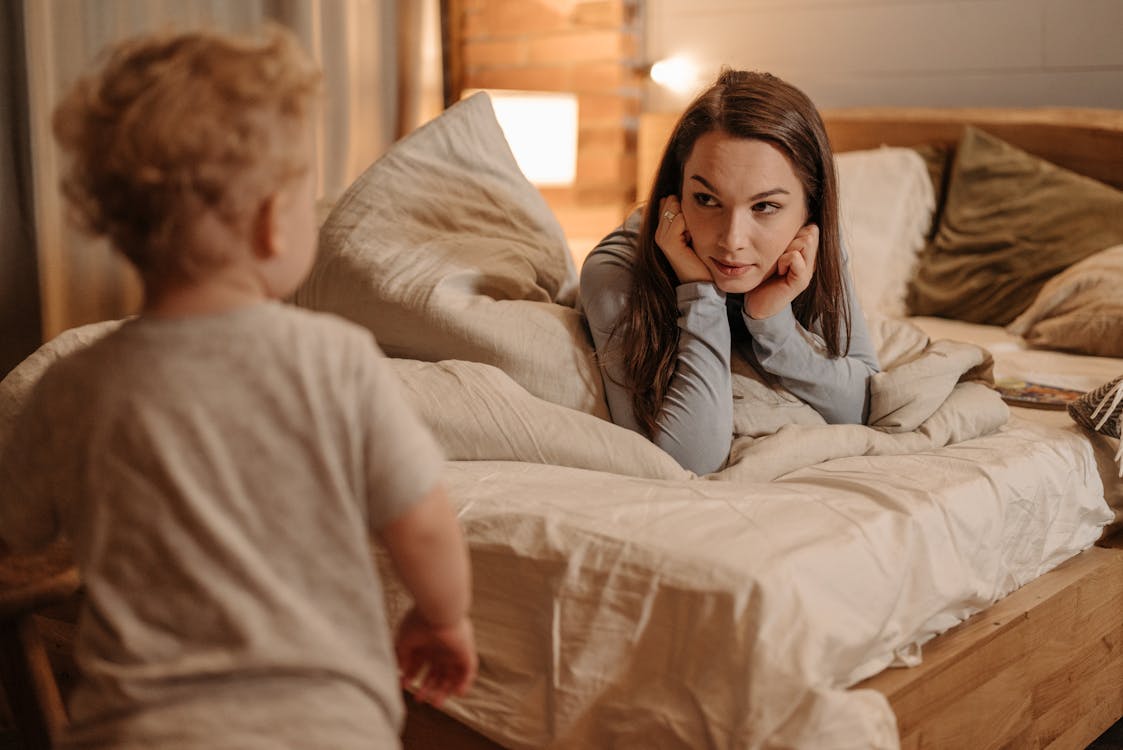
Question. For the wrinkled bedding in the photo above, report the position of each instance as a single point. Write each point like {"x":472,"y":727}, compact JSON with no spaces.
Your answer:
{"x":1015,"y":360}
{"x":615,"y":611}
{"x":621,"y":602}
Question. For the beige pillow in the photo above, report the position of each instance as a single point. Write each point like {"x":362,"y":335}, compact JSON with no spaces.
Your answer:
{"x":886,"y":201}
{"x":444,"y":250}
{"x":1080,"y":309}
{"x":1011,"y":222}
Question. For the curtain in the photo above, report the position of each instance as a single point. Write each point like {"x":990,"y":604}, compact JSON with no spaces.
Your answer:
{"x":380,"y":58}
{"x":19,"y":290}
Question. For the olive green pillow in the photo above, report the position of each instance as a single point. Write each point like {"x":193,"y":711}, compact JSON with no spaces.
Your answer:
{"x":1080,"y":309}
{"x":937,"y":158}
{"x":1011,"y":221}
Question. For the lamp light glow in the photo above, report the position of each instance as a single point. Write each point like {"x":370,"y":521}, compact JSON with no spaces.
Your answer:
{"x":679,"y":74}
{"x":541,"y":128}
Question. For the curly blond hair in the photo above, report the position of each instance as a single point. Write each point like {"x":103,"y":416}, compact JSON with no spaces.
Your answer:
{"x":175,"y":125}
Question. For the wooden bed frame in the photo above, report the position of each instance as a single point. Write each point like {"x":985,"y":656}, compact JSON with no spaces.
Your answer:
{"x":1088,"y":141}
{"x":1041,"y":668}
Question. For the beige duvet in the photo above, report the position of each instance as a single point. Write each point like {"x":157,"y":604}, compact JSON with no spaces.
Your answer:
{"x":621,"y":602}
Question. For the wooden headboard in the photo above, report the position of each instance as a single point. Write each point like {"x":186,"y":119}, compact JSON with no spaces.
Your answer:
{"x":1088,"y":141}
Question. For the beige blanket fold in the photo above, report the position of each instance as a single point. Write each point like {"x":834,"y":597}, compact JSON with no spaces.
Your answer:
{"x":902,"y":398}
{"x":970,"y":410}
{"x":478,"y":413}
{"x":932,"y":394}
{"x":928,"y":398}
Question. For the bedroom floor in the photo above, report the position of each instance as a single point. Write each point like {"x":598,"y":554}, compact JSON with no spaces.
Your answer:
{"x":1112,"y":739}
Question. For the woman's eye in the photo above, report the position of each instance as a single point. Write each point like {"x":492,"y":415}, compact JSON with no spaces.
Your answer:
{"x":766,"y":208}
{"x":705,"y":199}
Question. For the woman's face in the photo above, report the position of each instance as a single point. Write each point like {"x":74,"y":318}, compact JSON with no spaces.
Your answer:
{"x":743,"y":204}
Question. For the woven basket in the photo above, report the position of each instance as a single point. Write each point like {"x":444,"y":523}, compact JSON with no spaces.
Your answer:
{"x":1105,"y":403}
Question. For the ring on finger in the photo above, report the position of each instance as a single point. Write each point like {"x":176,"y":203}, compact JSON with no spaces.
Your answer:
{"x":669,"y":215}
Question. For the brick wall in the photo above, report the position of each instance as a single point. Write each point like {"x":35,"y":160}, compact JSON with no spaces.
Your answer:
{"x":586,"y":47}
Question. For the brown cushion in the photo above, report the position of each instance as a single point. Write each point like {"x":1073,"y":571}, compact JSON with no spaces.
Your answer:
{"x":1011,"y":221}
{"x":1079,"y":309}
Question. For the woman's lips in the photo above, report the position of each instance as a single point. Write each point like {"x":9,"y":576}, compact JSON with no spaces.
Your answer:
{"x":730,"y":270}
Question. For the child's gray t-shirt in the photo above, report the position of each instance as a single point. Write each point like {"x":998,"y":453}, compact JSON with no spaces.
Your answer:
{"x":219,"y":478}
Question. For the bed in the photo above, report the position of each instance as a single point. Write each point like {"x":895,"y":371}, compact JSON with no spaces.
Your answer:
{"x":1033,"y":660}
{"x":935,"y":582}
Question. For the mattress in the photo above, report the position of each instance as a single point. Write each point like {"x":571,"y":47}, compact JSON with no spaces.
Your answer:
{"x":615,"y":611}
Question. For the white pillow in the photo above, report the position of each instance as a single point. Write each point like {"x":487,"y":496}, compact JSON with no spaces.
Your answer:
{"x":886,"y":202}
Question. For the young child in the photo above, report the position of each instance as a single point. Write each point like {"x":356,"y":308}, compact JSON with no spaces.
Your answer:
{"x":219,"y":461}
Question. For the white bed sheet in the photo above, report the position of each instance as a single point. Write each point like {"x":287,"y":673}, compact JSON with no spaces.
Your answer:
{"x":623,"y":612}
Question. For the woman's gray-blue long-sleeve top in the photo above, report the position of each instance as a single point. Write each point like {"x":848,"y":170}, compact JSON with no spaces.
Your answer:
{"x":695,"y":423}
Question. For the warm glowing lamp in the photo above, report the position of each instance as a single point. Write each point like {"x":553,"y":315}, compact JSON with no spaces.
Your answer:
{"x":679,"y":74}
{"x":541,"y":128}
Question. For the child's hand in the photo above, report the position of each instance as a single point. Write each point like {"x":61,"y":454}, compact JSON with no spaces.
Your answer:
{"x":443,"y":658}
{"x":673,"y":238}
{"x":794,"y":270}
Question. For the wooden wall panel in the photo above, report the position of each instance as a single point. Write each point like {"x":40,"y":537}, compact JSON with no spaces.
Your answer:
{"x":902,"y":52}
{"x":585,"y":47}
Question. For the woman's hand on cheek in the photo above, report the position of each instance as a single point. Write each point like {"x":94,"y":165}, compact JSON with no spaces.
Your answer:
{"x":794,"y":270}
{"x":673,"y":238}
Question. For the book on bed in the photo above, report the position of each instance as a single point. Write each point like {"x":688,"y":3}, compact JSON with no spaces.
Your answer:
{"x":1036,"y":395}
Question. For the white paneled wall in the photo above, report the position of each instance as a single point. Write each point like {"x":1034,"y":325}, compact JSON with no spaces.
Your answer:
{"x":902,"y":52}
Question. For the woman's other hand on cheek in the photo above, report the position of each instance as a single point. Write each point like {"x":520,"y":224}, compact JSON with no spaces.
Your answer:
{"x":794,"y":270}
{"x":673,"y":239}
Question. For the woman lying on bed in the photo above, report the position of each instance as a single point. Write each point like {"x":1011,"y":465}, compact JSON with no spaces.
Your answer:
{"x":739,"y":238}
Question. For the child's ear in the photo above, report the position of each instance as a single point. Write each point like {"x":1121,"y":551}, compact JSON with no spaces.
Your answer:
{"x":266,"y":233}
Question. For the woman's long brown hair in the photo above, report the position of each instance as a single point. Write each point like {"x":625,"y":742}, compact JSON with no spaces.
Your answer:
{"x":745,"y":105}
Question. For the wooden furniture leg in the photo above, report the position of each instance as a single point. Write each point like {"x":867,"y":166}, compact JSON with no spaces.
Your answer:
{"x":29,"y":584}
{"x":29,"y":684}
